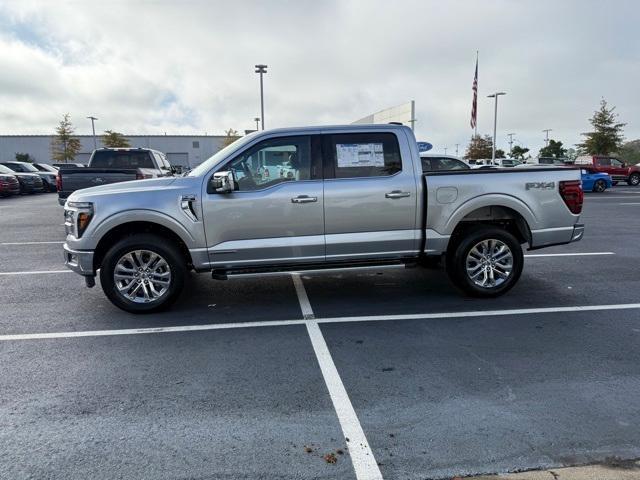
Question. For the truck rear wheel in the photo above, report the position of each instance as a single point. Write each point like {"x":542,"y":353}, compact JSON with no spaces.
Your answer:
{"x":143,"y":273}
{"x":486,"y":262}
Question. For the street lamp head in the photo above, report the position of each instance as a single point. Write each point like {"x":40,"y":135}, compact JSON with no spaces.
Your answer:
{"x":256,"y":119}
{"x":494,"y":95}
{"x":261,"y":69}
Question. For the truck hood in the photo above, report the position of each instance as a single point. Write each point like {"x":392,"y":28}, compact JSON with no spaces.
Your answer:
{"x":122,"y":187}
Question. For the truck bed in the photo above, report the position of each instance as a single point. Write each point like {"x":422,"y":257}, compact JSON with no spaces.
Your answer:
{"x":78,"y":178}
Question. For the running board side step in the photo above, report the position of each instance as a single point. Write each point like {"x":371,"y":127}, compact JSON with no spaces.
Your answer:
{"x":307,"y":269}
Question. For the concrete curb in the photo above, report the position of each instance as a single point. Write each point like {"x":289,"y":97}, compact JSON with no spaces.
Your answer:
{"x":615,"y":470}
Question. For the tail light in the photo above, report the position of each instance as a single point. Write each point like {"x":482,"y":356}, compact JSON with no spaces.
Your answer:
{"x":572,"y":194}
{"x":59,"y":182}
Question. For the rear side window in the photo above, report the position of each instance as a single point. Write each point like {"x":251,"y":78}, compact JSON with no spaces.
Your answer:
{"x":448,"y":164}
{"x":121,"y":159}
{"x":354,"y":155}
{"x":603,"y":161}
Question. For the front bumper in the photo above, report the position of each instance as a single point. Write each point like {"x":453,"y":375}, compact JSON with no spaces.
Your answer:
{"x":79,"y":261}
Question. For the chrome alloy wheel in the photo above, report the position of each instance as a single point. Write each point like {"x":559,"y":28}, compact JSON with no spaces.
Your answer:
{"x":489,"y":263}
{"x":142,"y":276}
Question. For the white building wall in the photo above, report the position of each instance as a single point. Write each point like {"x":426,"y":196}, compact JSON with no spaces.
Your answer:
{"x":195,"y":149}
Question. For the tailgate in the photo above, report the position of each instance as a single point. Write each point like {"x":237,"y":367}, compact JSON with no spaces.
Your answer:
{"x":77,"y":179}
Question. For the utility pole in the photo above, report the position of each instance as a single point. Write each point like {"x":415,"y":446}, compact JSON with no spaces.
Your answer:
{"x":495,"y":123}
{"x":261,"y":69}
{"x":93,"y":128}
{"x":413,"y":115}
{"x":510,"y":135}
{"x":457,"y":144}
{"x":546,"y":138}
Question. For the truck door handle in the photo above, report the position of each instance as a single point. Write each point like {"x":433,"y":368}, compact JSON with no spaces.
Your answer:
{"x":304,"y":199}
{"x":397,"y":194}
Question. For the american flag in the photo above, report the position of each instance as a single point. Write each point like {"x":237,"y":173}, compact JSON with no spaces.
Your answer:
{"x":474,"y":104}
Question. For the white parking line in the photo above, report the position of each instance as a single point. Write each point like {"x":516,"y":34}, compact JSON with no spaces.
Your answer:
{"x":31,"y":243}
{"x":637,"y":203}
{"x":36,"y":272}
{"x":606,"y":198}
{"x":585,"y":254}
{"x":279,"y":323}
{"x":303,"y":299}
{"x":362,"y":458}
{"x":364,"y":463}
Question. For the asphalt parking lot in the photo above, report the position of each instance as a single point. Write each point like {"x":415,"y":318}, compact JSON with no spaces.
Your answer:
{"x":392,"y":374}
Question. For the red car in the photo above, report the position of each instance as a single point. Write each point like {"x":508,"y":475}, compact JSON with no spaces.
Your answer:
{"x":618,"y":170}
{"x":9,"y":184}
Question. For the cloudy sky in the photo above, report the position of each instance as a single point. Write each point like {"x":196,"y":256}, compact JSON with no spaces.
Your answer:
{"x":187,"y":67}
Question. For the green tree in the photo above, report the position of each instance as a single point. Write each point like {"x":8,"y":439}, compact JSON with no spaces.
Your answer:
{"x":231,"y":136}
{"x":64,"y":146}
{"x":553,"y":149}
{"x":607,"y":135}
{"x":112,"y":139}
{"x":630,"y":152}
{"x":23,"y":157}
{"x":479,"y":147}
{"x":519,"y":152}
{"x":499,"y":153}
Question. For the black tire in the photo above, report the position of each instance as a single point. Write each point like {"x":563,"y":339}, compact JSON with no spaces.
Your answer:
{"x":634,"y":179}
{"x":600,"y":186}
{"x":457,"y":261}
{"x":152,"y":243}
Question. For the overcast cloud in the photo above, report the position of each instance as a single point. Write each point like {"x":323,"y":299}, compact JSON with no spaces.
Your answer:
{"x":187,"y":67}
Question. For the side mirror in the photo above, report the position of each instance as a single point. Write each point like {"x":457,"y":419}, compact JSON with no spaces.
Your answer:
{"x":222,"y":182}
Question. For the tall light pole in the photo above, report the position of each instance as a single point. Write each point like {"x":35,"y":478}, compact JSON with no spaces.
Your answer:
{"x":445,"y":150}
{"x":257,"y":120}
{"x":510,"y":135}
{"x":546,"y":138}
{"x":93,"y":128}
{"x":261,"y":69}
{"x":495,"y":122}
{"x":457,"y":144}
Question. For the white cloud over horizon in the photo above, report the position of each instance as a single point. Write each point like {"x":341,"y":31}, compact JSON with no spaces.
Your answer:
{"x":187,"y":67}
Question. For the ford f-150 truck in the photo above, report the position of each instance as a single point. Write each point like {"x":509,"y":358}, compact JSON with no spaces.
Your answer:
{"x":346,"y":197}
{"x":112,"y":165}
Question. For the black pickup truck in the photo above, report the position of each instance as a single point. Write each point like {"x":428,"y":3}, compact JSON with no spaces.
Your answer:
{"x":113,"y":165}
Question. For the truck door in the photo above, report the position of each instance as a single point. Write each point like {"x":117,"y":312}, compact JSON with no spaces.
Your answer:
{"x":370,"y":196}
{"x":275,"y":215}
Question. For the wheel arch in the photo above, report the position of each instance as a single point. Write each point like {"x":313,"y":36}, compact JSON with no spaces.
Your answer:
{"x":126,"y":229}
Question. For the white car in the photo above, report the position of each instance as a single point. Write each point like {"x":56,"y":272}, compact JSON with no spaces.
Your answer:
{"x":433,"y":162}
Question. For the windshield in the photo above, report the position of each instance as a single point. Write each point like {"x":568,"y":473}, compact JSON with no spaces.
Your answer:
{"x":45,"y":168}
{"x":4,"y":169}
{"x":225,"y":152}
{"x":22,"y":167}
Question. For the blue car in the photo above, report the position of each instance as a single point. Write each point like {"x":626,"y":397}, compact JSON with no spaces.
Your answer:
{"x":593,"y":181}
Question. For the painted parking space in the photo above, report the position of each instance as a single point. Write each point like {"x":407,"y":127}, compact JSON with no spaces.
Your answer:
{"x":452,"y":396}
{"x":233,"y":404}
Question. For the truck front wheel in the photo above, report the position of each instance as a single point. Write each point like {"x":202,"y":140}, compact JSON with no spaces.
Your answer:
{"x":485,"y":262}
{"x":634,"y":179}
{"x":143,"y":273}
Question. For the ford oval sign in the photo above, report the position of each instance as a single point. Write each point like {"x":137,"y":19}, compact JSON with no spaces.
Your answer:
{"x":424,"y":146}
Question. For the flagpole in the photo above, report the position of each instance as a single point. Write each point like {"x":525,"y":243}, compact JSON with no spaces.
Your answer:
{"x":476,"y":127}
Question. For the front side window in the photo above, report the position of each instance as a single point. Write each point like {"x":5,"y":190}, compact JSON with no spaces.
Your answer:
{"x":354,"y":155}
{"x":615,"y":162}
{"x":272,"y":162}
{"x":603,"y":162}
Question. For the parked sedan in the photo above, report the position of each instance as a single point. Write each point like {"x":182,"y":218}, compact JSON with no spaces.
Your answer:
{"x":29,"y":182}
{"x":593,"y":181}
{"x":48,"y":178}
{"x":9,"y":185}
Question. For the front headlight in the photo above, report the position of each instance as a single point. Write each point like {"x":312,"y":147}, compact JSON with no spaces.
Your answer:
{"x":77,"y":216}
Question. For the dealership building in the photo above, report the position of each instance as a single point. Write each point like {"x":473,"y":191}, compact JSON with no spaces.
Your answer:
{"x":185,"y":150}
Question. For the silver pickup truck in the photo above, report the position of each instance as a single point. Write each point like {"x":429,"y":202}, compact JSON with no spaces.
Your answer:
{"x":343,"y":197}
